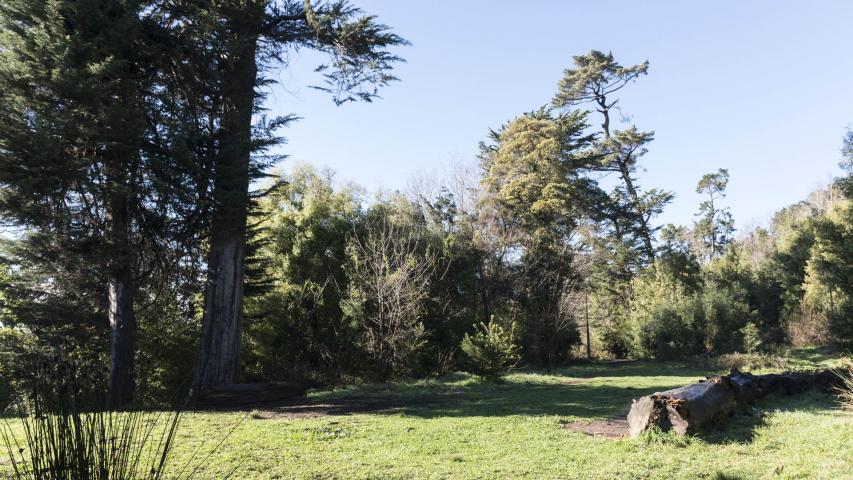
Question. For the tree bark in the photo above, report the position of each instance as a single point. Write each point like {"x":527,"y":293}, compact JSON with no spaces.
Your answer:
{"x":120,"y":291}
{"x":219,"y":354}
{"x":641,"y":214}
{"x":684,"y":410}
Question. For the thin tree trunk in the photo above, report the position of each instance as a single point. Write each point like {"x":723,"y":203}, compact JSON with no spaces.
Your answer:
{"x":222,"y":322}
{"x":586,"y":316}
{"x":629,"y":183}
{"x":120,"y":292}
{"x":484,"y":294}
{"x":635,"y":200}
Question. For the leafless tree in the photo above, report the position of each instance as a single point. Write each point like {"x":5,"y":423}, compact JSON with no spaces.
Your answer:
{"x":391,"y":271}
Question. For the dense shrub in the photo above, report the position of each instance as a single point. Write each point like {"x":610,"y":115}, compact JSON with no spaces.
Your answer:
{"x":725,"y":315}
{"x":615,"y":339}
{"x":664,"y":334}
{"x":14,"y":343}
{"x":840,"y":322}
{"x":667,"y":321}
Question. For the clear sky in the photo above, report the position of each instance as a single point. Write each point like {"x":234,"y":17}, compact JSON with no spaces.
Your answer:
{"x":762,"y":88}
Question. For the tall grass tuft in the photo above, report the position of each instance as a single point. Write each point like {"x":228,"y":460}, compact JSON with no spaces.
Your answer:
{"x":845,"y":389}
{"x":68,"y":443}
{"x":656,"y":436}
{"x":66,"y":432}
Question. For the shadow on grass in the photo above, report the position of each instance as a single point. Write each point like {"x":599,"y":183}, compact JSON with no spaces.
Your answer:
{"x":745,"y":425}
{"x":581,"y":390}
{"x":584,"y":392}
{"x":491,"y":400}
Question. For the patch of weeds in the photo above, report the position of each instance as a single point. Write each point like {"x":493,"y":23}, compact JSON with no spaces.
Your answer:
{"x":327,"y":432}
{"x":656,"y":436}
{"x":845,"y":390}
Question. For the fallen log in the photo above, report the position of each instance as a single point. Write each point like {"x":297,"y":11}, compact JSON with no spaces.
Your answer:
{"x":683,"y":410}
{"x":687,"y":409}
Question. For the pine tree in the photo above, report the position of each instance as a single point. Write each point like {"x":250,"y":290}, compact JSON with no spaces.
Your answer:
{"x":73,"y":135}
{"x":244,"y":38}
{"x":103,"y":163}
{"x":715,"y":225}
{"x":596,"y":78}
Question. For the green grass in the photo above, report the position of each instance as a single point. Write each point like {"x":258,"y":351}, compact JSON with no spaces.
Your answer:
{"x":459,"y":427}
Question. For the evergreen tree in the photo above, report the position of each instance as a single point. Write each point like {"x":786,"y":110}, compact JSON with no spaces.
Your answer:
{"x":75,"y":89}
{"x":533,"y":179}
{"x":715,"y":225}
{"x":246,"y":37}
{"x":595,"y":78}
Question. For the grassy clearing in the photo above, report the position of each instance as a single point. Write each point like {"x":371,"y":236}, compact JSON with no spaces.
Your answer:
{"x":458,"y":427}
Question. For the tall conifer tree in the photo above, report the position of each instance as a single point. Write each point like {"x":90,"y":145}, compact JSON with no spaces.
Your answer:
{"x":247,"y":37}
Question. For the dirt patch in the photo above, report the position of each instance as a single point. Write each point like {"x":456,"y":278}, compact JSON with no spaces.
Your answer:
{"x":610,"y":428}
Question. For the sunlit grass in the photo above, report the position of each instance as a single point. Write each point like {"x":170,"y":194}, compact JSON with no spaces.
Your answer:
{"x":459,"y":427}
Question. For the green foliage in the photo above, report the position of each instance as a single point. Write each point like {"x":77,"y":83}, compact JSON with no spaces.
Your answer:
{"x":664,"y":333}
{"x":594,"y":74}
{"x":15,"y":343}
{"x":666,"y":317}
{"x":830,"y":271}
{"x":670,"y":317}
{"x":533,"y":181}
{"x":726,"y":313}
{"x":715,"y":225}
{"x":296,"y":328}
{"x":751,"y":338}
{"x":491,"y":349}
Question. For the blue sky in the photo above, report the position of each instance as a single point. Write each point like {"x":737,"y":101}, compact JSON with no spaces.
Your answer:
{"x":762,"y":88}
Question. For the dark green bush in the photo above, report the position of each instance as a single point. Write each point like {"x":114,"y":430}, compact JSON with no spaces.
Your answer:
{"x":666,"y":334}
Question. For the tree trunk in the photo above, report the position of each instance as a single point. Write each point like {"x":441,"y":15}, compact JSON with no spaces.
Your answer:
{"x":629,"y":183}
{"x":684,"y":410}
{"x":120,"y":292}
{"x":122,"y":339}
{"x":635,"y":201}
{"x":219,"y":354}
{"x":484,"y":293}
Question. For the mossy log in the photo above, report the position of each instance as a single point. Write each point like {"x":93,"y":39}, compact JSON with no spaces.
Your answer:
{"x":688,"y":409}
